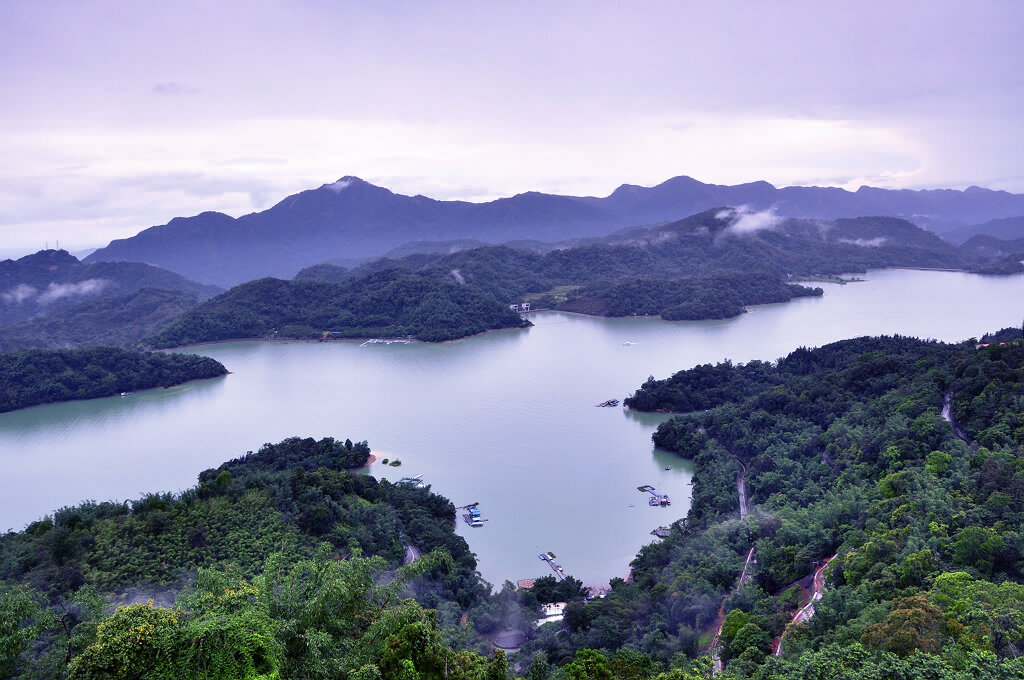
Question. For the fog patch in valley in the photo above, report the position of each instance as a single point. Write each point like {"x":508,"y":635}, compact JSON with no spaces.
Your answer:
{"x":876,"y":242}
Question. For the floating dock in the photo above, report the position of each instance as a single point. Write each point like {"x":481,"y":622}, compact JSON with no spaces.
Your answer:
{"x":656,"y":499}
{"x":385,"y":341}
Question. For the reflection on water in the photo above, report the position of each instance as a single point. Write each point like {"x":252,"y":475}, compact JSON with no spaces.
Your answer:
{"x":50,"y":418}
{"x":505,"y":418}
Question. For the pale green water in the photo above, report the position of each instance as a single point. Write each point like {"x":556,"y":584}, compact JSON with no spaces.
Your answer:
{"x":505,"y":418}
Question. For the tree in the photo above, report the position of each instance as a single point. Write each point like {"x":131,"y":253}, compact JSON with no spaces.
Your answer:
{"x":21,"y":620}
{"x":137,"y":641}
{"x":588,"y":664}
{"x":913,"y":625}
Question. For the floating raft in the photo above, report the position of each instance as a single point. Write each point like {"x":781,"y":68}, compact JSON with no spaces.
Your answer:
{"x":472,"y":516}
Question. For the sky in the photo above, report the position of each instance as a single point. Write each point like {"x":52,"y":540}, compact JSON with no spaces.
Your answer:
{"x":116,"y":116}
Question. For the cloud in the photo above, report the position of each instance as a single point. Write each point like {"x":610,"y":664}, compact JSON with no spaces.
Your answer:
{"x":865,"y":242}
{"x":56,"y":291}
{"x":172,"y":89}
{"x":19,"y":294}
{"x":746,"y":221}
{"x":339,"y":186}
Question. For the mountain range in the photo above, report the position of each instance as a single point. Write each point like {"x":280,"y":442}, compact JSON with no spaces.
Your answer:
{"x":352,"y":219}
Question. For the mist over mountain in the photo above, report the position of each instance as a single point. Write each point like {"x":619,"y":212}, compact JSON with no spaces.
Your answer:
{"x":351,"y":219}
{"x":51,"y":299}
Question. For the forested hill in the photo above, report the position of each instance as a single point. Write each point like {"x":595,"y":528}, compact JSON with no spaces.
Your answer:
{"x":730,"y":239}
{"x":123,"y":321}
{"x":843,"y":450}
{"x":52,"y":280}
{"x":279,"y":564}
{"x":51,"y":300}
{"x":602,"y":280}
{"x":394,"y":303}
{"x":718,"y":241}
{"x":31,"y":377}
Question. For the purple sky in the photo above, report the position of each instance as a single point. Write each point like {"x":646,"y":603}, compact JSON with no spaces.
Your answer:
{"x":117,"y":116}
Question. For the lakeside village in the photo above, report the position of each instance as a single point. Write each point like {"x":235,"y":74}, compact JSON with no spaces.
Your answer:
{"x":554,"y":611}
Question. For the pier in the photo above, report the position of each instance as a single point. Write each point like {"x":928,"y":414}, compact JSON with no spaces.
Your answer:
{"x":549,"y":557}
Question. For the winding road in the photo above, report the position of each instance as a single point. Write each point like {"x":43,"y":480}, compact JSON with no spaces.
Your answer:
{"x":807,"y":611}
{"x":412,"y":553}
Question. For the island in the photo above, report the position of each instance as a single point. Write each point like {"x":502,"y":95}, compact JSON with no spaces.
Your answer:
{"x":36,"y":376}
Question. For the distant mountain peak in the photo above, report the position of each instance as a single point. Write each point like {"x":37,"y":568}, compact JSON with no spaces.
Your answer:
{"x":48,"y":258}
{"x":344,"y":183}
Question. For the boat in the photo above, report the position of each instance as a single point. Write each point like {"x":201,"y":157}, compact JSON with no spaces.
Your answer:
{"x":609,"y":402}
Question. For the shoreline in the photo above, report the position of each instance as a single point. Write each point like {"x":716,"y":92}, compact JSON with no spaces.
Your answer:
{"x":116,"y":394}
{"x":411,"y":341}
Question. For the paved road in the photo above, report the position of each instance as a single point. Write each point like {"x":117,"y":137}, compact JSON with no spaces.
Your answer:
{"x":807,"y":611}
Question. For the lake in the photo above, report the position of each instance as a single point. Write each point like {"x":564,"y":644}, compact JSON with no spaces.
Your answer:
{"x":506,"y":419}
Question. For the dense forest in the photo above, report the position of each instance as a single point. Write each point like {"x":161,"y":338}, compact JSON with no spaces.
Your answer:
{"x":714,"y":297}
{"x":35,"y":376}
{"x":843,"y":451}
{"x":122,"y":321}
{"x":394,"y":303}
{"x":280,"y":563}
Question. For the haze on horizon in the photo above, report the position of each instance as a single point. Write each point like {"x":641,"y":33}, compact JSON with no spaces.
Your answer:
{"x":118,"y":116}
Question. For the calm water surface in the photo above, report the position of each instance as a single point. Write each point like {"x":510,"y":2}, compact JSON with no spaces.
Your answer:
{"x":505,"y":418}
